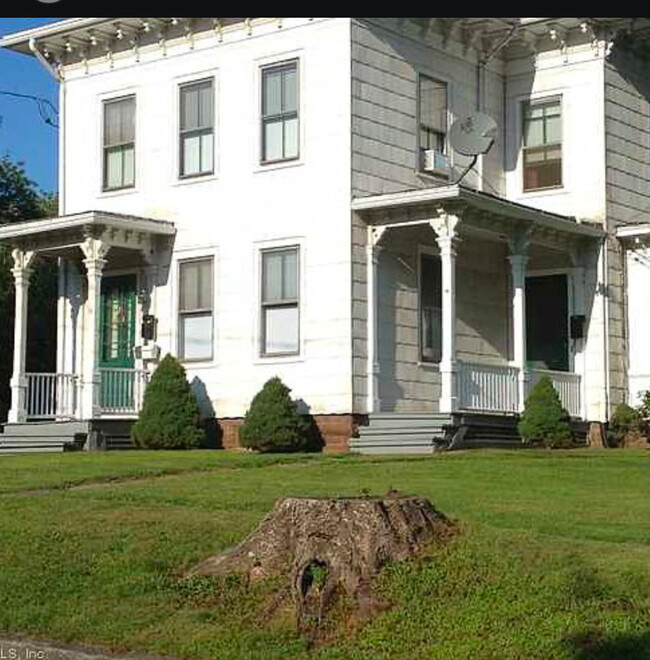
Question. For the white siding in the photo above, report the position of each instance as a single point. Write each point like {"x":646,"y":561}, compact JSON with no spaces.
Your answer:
{"x":244,"y":206}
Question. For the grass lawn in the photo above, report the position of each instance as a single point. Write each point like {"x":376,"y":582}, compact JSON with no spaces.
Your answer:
{"x":553,"y":559}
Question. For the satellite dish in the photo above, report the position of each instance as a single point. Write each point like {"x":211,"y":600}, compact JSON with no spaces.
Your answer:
{"x":473,"y":134}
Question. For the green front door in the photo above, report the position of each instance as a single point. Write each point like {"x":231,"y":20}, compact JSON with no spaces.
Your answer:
{"x":117,"y":327}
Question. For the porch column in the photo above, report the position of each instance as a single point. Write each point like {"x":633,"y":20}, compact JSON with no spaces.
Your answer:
{"x":578,"y":260}
{"x":22,"y":272}
{"x":372,"y":343}
{"x":518,"y":259}
{"x":445,"y":226}
{"x":94,"y":250}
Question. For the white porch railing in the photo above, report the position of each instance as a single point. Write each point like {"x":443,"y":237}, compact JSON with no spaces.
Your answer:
{"x":51,"y":396}
{"x":488,"y":387}
{"x":493,"y":388}
{"x":122,"y":390}
{"x":566,"y":384}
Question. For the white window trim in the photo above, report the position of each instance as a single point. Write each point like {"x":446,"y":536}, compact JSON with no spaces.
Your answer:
{"x":270,"y":61}
{"x":431,"y":251}
{"x":434,"y":75}
{"x":187,"y":79}
{"x":570,"y":305}
{"x":107,"y":97}
{"x":258,"y":358}
{"x":182,"y":256}
{"x":540,"y":97}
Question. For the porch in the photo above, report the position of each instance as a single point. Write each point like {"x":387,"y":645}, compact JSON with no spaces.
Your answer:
{"x":512,"y":295}
{"x":109,"y":267}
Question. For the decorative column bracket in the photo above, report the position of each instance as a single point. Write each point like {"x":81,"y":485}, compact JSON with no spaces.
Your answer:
{"x":519,"y":242}
{"x":375,"y":234}
{"x":445,"y":226}
{"x":22,"y":272}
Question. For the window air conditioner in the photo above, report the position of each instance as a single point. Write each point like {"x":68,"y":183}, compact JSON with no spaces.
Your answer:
{"x":435,"y":162}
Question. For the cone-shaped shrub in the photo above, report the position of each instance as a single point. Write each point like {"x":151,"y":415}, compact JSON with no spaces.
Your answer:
{"x":544,"y":420}
{"x":272,"y":422}
{"x":170,"y":413}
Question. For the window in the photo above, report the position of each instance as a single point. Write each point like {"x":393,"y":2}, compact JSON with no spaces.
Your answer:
{"x":195,"y":309}
{"x":119,"y":143}
{"x":542,"y":153}
{"x":430,"y":308}
{"x":280,"y":302}
{"x":280,"y":137}
{"x":432,"y":97}
{"x":196,"y":128}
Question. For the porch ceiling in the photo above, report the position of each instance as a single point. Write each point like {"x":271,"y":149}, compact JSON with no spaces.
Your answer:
{"x":64,"y":232}
{"x":479,"y":212}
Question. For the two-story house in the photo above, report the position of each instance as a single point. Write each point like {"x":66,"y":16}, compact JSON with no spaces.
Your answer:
{"x":279,"y":196}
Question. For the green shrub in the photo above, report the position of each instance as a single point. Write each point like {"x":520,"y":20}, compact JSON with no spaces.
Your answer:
{"x":544,"y":420}
{"x":624,"y":421}
{"x":170,"y":413}
{"x":272,"y":422}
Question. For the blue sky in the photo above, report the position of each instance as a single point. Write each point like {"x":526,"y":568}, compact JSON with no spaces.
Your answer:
{"x":23,"y":134}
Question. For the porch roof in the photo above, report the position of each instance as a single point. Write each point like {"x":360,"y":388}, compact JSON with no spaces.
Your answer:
{"x":116,"y":229}
{"x":481,"y":210}
{"x":637,"y":233}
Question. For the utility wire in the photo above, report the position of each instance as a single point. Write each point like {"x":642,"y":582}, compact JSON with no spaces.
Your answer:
{"x":46,"y":108}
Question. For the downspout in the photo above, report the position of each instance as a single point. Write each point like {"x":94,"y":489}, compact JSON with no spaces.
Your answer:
{"x":56,"y":73}
{"x":481,"y":83}
{"x":605,"y":297}
{"x":58,"y":76}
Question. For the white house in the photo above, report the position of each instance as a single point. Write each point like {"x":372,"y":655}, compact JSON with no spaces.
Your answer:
{"x":279,"y":196}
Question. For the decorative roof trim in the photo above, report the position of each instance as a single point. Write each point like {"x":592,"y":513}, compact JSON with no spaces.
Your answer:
{"x":88,"y":218}
{"x":476,"y":199}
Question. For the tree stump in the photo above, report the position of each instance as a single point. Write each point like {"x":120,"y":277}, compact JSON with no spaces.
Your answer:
{"x":329,"y":547}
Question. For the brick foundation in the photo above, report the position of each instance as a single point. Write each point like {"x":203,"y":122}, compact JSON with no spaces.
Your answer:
{"x":335,"y":431}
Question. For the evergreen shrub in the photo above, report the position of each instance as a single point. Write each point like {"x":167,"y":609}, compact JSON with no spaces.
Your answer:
{"x":544,"y":420}
{"x":272,"y":423}
{"x":170,"y":413}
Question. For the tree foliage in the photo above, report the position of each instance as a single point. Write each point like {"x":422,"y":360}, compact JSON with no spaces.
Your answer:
{"x":272,"y":422}
{"x":624,"y":421}
{"x":544,"y":420}
{"x":170,"y":413}
{"x":21,"y":200}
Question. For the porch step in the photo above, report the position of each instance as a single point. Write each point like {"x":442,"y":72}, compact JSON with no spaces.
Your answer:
{"x":401,"y":433}
{"x":42,"y":437}
{"x":487,"y":431}
{"x":119,"y":443}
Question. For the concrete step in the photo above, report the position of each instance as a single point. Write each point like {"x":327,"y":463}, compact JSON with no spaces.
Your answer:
{"x":31,"y":449}
{"x":394,"y":445}
{"x":401,"y":433}
{"x":45,"y":429}
{"x":373,"y":431}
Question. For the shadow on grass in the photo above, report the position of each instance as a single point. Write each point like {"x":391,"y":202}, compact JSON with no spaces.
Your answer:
{"x":594,"y":645}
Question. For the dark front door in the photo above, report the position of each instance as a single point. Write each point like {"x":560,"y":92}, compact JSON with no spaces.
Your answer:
{"x":547,"y":321}
{"x":117,"y":323}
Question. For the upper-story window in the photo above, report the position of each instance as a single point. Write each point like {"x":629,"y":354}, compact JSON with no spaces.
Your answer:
{"x":280,"y":120}
{"x":119,"y":143}
{"x":542,"y":144}
{"x":280,"y":302}
{"x":433,"y":110}
{"x":196,"y":128}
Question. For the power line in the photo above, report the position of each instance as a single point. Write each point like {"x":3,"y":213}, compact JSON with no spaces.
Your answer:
{"x":46,"y":108}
